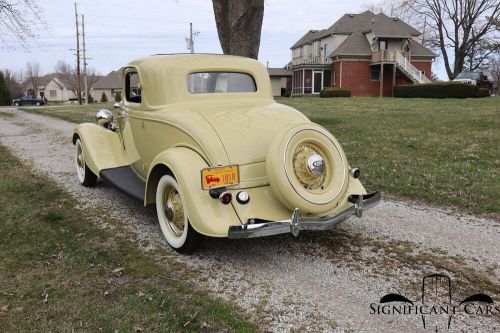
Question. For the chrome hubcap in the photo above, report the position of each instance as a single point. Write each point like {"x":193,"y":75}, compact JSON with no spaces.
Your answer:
{"x":316,"y":165}
{"x":174,"y":212}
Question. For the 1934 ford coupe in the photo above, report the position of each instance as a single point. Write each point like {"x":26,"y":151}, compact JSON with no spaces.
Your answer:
{"x":201,"y":137}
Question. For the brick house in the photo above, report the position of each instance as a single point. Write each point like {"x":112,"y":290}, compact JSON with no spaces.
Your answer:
{"x":367,"y":53}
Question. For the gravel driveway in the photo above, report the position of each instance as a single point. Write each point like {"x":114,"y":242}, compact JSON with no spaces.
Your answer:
{"x":317,"y":282}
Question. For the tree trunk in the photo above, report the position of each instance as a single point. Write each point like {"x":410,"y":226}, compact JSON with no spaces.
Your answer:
{"x":239,"y":24}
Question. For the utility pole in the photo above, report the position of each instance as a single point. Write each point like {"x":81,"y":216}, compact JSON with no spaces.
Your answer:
{"x":78,"y":87}
{"x":85,"y":76}
{"x":190,"y":40}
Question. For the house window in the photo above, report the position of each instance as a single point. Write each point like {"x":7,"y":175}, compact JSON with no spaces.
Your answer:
{"x":53,"y":93}
{"x":383,"y":44}
{"x":334,"y":78}
{"x":327,"y":78}
{"x":374,"y":75}
{"x":308,"y":81}
{"x":304,"y":51}
{"x":297,"y":82}
{"x":315,"y":49}
{"x":115,"y":91}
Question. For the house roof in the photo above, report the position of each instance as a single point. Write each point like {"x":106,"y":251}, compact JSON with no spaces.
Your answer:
{"x":44,"y":80}
{"x":418,"y":50}
{"x":307,"y":38}
{"x":279,"y":72}
{"x":357,"y":25}
{"x":111,"y":81}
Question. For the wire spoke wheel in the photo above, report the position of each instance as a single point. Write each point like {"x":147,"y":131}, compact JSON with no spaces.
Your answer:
{"x":304,"y":174}
{"x":85,"y":176}
{"x":172,"y":216}
{"x":174,"y":211}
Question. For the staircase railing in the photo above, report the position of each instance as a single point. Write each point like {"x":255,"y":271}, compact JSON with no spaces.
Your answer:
{"x":413,"y":72}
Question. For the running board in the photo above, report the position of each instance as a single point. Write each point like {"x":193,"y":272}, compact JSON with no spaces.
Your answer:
{"x":126,"y":180}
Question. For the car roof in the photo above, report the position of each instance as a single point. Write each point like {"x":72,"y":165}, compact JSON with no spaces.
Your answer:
{"x":163,"y":76}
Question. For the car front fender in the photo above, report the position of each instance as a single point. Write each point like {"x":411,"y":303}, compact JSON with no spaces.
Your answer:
{"x":101,"y":147}
{"x":208,"y":216}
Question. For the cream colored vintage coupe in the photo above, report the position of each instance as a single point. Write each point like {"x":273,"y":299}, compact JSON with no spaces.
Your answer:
{"x":201,"y":137}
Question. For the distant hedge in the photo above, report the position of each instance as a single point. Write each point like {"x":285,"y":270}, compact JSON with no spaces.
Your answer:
{"x":438,"y":90}
{"x":484,"y":92}
{"x":335,"y":92}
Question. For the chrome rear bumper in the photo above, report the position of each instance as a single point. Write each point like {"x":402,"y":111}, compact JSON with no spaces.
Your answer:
{"x":296,"y":223}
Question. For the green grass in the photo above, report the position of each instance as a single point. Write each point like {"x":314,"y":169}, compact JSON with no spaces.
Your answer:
{"x":57,"y":270}
{"x":71,"y":112}
{"x":441,"y":151}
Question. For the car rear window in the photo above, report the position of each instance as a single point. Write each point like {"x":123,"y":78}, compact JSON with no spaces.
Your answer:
{"x":220,"y":82}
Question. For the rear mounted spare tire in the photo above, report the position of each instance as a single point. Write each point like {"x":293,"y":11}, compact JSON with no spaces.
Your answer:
{"x":307,"y":169}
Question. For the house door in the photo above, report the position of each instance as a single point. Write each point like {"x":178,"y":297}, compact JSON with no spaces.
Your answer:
{"x":317,"y":81}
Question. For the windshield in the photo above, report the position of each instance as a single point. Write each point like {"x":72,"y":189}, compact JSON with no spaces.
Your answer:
{"x":220,"y":82}
{"x":468,"y":75}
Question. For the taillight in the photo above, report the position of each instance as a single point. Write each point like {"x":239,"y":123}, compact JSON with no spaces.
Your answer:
{"x":226,"y":198}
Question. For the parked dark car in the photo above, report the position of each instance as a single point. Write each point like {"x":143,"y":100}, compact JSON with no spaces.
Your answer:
{"x":476,"y":78}
{"x":29,"y":100}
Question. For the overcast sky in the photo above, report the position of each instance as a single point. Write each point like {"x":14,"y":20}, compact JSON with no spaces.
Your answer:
{"x":119,"y":31}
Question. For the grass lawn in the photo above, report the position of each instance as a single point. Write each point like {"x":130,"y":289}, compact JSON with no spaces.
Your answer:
{"x":441,"y":151}
{"x":70,"y":112}
{"x":61,"y":273}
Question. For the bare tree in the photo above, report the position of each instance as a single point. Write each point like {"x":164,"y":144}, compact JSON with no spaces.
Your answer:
{"x":494,"y":70}
{"x":459,"y":28}
{"x":67,"y":73}
{"x":13,"y":81}
{"x":396,"y":8}
{"x":92,"y":78}
{"x":19,"y":19}
{"x":32,"y":76}
{"x":239,"y":24}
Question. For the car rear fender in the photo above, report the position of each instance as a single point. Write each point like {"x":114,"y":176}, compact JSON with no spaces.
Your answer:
{"x":101,"y":147}
{"x":208,"y":216}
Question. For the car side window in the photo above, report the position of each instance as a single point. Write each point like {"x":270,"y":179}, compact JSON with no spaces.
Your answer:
{"x":133,"y":87}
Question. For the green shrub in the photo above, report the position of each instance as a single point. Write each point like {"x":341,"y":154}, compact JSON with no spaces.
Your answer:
{"x":5,"y":98}
{"x":118,"y":97}
{"x":483,"y":92}
{"x":335,"y":92}
{"x":285,"y":92}
{"x":104,"y":97}
{"x":436,"y":90}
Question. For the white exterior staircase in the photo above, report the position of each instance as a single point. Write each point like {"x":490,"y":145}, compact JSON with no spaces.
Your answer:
{"x":411,"y":71}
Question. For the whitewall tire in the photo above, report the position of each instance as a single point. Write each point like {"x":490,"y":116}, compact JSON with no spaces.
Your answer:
{"x":85,"y":176}
{"x":172,"y":216}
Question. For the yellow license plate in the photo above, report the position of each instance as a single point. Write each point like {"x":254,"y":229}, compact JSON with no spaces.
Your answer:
{"x":220,"y":177}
